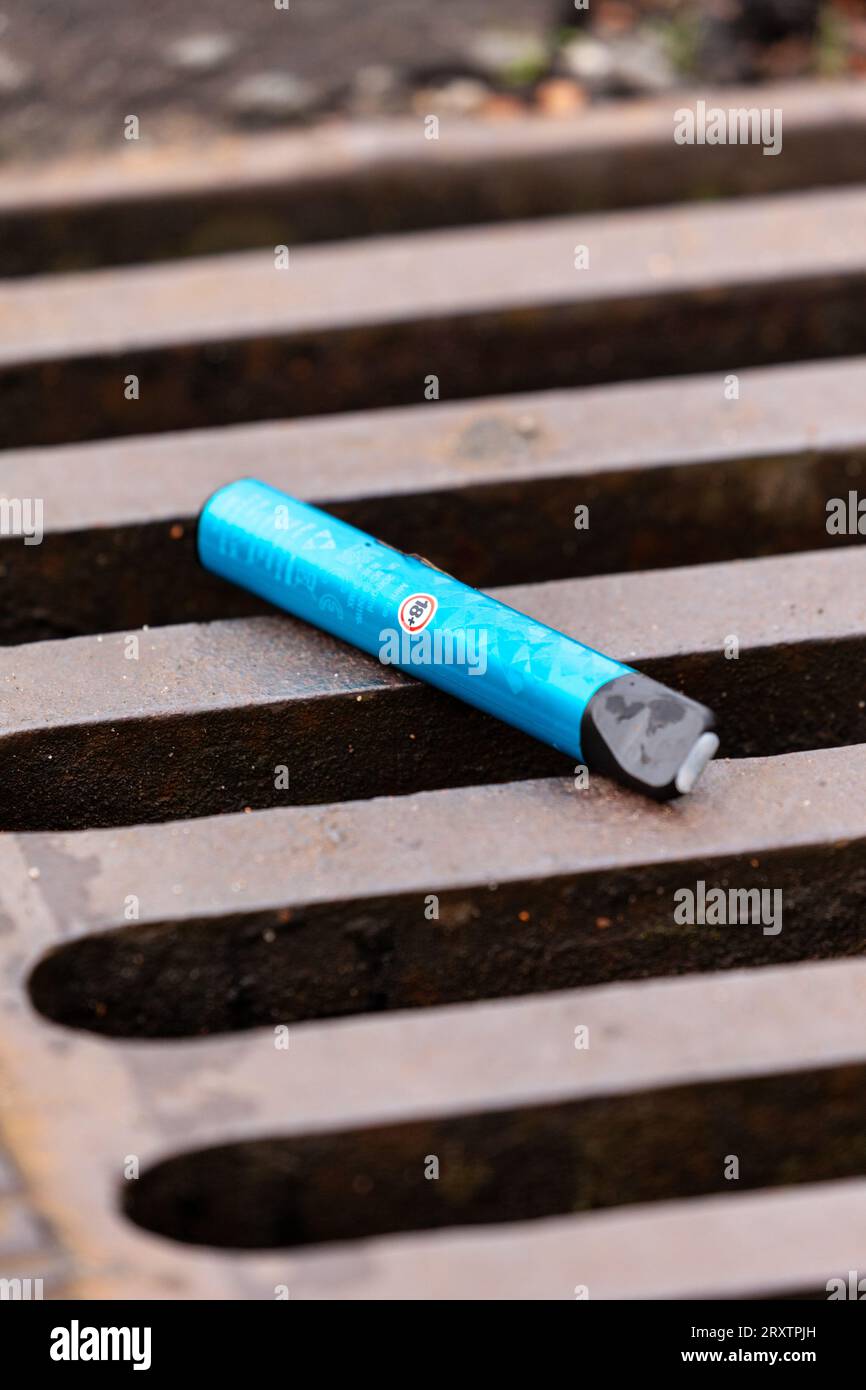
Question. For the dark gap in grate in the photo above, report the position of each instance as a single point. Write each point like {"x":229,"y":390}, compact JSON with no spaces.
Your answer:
{"x":116,"y":770}
{"x":298,"y":962}
{"x":504,"y":1166}
{"x":373,"y":180}
{"x":320,"y":187}
{"x":107,"y":578}
{"x":74,"y":396}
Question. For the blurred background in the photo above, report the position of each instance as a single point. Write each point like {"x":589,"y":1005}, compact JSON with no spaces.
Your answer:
{"x":69,"y":72}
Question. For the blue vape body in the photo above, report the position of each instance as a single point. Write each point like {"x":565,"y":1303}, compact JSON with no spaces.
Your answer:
{"x":411,"y":615}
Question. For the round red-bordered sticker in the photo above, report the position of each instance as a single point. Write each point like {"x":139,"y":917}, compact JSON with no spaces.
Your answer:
{"x":416,"y":611}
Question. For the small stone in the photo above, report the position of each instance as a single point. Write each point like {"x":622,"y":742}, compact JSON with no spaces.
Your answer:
{"x":461,"y":97}
{"x":637,"y":62}
{"x":588,"y":60}
{"x":559,"y":96}
{"x":502,"y":108}
{"x":273,"y":96}
{"x":642,"y":64}
{"x":199,"y":52}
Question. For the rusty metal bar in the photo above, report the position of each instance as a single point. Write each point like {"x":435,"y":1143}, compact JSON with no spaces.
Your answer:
{"x":774,"y":1244}
{"x":194,"y":720}
{"x":351,"y":325}
{"x":756,"y":1245}
{"x":338,"y":181}
{"x":672,"y":474}
{"x":650,"y":1045}
{"x":320,"y":911}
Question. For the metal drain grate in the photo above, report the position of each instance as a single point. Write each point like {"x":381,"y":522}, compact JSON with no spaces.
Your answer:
{"x":431,"y":908}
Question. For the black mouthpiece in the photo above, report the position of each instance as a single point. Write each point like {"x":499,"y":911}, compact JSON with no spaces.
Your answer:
{"x":647,"y":736}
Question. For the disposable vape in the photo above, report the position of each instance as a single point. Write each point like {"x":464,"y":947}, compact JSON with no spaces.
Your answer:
{"x":409,"y":614}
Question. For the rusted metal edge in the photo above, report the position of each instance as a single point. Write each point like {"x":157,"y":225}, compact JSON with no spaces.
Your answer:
{"x":671,"y":474}
{"x":445,"y":896}
{"x":360,"y":325}
{"x":26,"y":1243}
{"x":471,"y":271}
{"x":196,"y":719}
{"x":759,"y":1245}
{"x":767,"y":1244}
{"x":354,"y":180}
